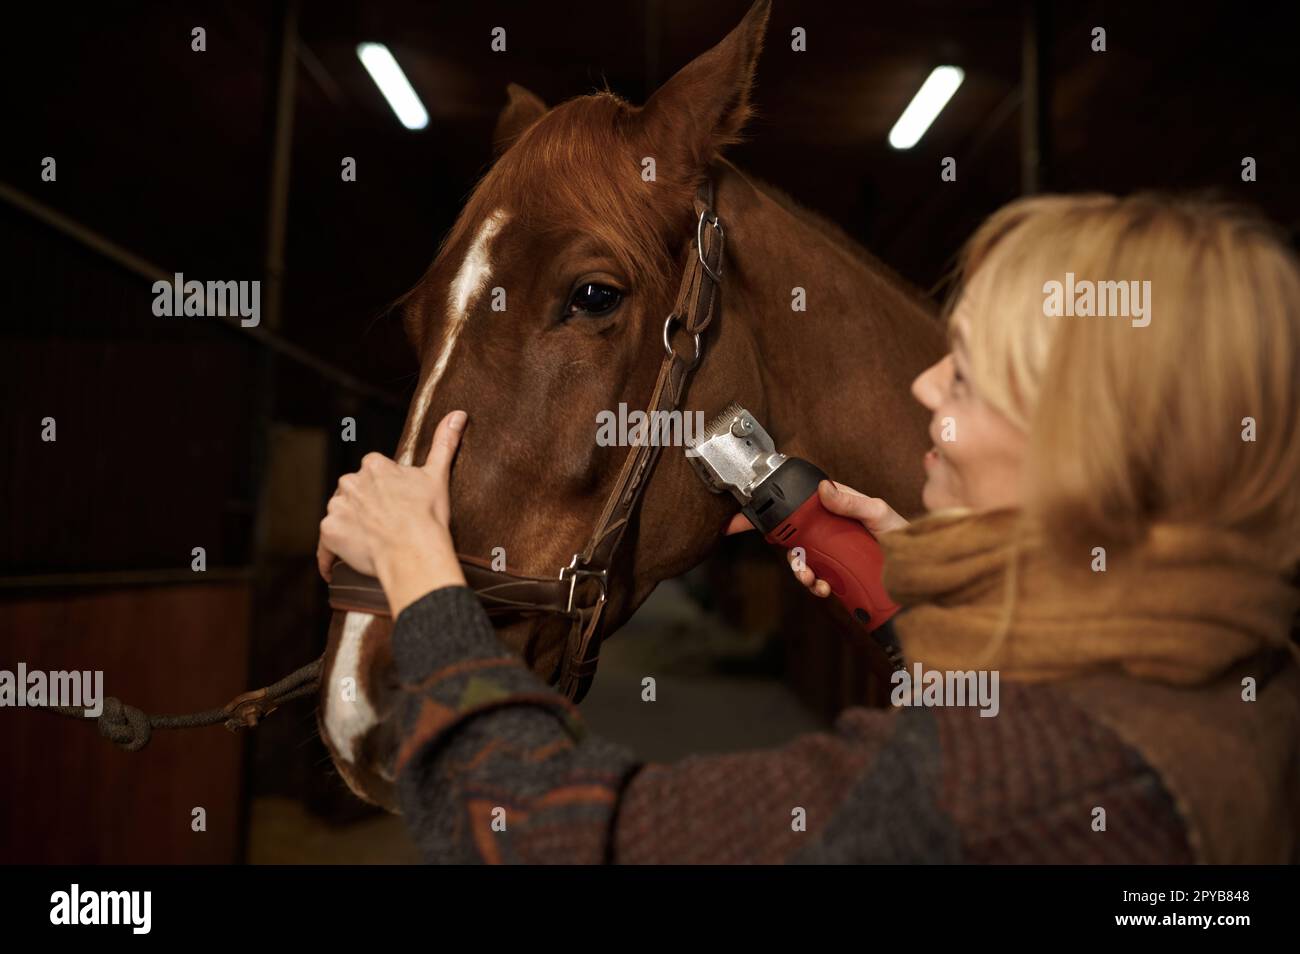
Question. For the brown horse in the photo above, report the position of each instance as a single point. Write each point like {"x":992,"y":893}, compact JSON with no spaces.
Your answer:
{"x":583,"y":249}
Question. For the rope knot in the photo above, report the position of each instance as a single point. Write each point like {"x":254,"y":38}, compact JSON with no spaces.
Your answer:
{"x":125,"y":726}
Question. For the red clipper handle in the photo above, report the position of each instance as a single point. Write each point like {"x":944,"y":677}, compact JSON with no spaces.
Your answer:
{"x":842,"y":552}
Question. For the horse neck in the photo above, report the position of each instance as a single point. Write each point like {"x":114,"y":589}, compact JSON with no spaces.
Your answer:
{"x":831,"y":383}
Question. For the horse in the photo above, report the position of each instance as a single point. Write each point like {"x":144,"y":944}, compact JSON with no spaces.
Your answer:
{"x":544,"y":307}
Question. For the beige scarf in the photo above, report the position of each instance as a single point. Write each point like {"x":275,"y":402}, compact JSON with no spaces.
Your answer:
{"x":1156,"y":645}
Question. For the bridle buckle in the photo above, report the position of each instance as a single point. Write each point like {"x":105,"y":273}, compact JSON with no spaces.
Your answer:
{"x":716,"y":224}
{"x":574,"y":572}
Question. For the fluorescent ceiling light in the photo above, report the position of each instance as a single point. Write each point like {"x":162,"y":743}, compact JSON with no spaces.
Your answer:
{"x":928,"y":102}
{"x":392,"y":82}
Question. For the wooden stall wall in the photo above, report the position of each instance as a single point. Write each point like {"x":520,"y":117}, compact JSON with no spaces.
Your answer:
{"x":74,"y":797}
{"x":153,"y":426}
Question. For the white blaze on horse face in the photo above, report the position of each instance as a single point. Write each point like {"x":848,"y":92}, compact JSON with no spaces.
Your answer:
{"x":465,"y":288}
{"x":348,"y":713}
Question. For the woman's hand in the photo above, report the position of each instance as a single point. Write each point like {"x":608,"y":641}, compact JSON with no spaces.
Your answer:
{"x":393,"y":521}
{"x":874,"y":514}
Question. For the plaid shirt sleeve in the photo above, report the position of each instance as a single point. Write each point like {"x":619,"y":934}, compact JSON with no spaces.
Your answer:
{"x":493,"y":766}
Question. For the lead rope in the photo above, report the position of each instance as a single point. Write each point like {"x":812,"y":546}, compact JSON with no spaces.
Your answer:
{"x":129,"y":728}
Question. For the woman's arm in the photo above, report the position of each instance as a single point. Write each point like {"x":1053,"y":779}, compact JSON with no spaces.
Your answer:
{"x":494,"y":766}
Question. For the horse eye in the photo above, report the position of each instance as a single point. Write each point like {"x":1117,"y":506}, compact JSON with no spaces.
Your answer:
{"x":594,"y":299}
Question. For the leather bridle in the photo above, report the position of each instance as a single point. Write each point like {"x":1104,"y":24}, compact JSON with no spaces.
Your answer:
{"x":581,"y":589}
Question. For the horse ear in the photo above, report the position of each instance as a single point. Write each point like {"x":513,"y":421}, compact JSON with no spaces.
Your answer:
{"x":522,"y":109}
{"x":705,"y":106}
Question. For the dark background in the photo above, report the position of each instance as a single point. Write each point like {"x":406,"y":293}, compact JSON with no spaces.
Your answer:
{"x":181,"y":433}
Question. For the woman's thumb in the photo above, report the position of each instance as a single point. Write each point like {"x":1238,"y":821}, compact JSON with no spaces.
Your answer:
{"x":847,"y":502}
{"x":446,"y":438}
{"x":876,"y":515}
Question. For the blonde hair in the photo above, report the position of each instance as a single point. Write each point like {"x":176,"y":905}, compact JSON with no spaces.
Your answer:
{"x":1132,"y":425}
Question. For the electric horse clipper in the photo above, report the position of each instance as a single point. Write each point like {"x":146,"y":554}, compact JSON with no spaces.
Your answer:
{"x":778,"y":495}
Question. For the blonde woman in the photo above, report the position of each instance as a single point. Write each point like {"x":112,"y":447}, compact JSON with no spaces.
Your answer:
{"x":1114,"y":497}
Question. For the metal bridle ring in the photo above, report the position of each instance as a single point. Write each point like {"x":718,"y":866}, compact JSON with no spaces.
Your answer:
{"x":574,"y":571}
{"x":668,"y":345}
{"x":716,"y":223}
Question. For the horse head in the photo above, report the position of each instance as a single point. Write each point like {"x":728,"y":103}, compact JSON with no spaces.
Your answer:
{"x":545,"y":309}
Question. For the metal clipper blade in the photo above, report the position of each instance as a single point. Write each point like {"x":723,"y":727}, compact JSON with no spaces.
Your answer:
{"x":734,"y":453}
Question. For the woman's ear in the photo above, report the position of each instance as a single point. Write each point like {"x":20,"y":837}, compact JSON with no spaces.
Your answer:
{"x":522,"y":109}
{"x":704,"y":107}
